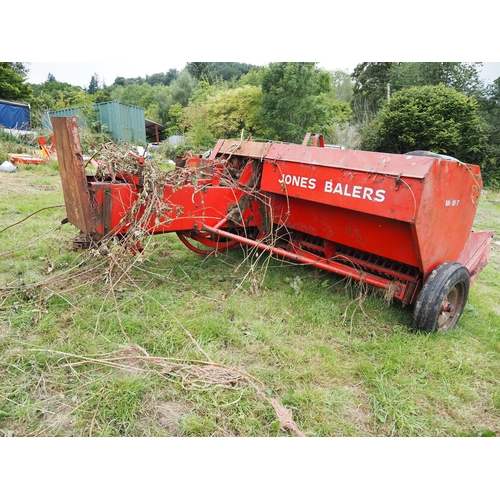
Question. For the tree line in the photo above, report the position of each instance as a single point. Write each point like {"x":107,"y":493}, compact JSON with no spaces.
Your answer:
{"x":393,"y":107}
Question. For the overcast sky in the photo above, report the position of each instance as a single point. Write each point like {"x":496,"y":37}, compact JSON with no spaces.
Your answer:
{"x":161,"y":37}
{"x":80,"y":73}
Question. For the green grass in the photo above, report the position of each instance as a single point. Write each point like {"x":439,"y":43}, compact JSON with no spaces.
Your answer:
{"x":342,"y":364}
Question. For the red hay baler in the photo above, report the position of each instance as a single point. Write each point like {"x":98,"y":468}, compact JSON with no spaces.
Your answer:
{"x":401,"y":222}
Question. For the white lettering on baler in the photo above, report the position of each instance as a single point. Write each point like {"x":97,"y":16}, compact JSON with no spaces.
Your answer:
{"x":299,"y":181}
{"x":361,"y":192}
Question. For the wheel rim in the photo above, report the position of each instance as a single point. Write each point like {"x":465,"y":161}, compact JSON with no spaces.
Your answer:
{"x":211,"y":244}
{"x":452,"y":307}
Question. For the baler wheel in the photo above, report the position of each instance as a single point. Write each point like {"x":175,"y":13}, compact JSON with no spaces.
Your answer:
{"x":442,"y":298}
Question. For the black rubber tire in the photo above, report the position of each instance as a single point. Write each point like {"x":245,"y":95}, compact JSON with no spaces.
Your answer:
{"x":430,"y":154}
{"x":448,"y":285}
{"x":421,"y":152}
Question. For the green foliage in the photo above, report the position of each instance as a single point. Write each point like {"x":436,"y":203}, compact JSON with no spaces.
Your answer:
{"x":253,"y":77}
{"x":182,"y":88}
{"x":10,"y":144}
{"x":343,"y":85}
{"x":201,"y":70}
{"x":162,"y":78}
{"x":154,"y":79}
{"x":13,"y":84}
{"x":177,"y":150}
{"x":371,"y":81}
{"x":433,"y":118}
{"x":94,"y":84}
{"x":159,"y":107}
{"x":202,"y":93}
{"x":175,"y":113}
{"x":222,"y":114}
{"x":213,"y":71}
{"x":298,"y":98}
{"x":490,"y":111}
{"x":463,"y":77}
{"x":233,"y":110}
{"x":370,"y":87}
{"x":53,"y":95}
{"x":135,"y":94}
{"x":198,"y":133}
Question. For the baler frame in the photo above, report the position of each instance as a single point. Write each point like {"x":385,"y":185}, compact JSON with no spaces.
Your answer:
{"x":309,"y":204}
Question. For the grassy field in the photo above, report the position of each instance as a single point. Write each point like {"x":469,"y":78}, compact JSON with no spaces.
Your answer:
{"x":169,"y":343}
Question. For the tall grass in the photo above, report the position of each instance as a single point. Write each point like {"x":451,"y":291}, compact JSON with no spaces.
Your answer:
{"x":170,"y":343}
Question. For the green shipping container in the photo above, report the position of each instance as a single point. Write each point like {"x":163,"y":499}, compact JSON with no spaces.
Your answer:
{"x":123,"y":122}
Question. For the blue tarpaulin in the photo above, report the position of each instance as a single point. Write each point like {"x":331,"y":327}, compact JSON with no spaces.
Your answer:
{"x":14,"y":115}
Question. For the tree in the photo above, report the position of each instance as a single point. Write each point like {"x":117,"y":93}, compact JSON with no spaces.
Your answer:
{"x":231,"y":111}
{"x":490,"y":111}
{"x":161,"y":102}
{"x":343,"y":85}
{"x":182,"y":87}
{"x":460,"y":76}
{"x":201,"y":70}
{"x":253,"y":77}
{"x":162,"y":78}
{"x":102,"y":95}
{"x":371,"y":81}
{"x":370,"y":87}
{"x":218,"y":71}
{"x":228,"y":71}
{"x":298,"y":98}
{"x":173,"y":119}
{"x":120,"y":81}
{"x":13,"y":86}
{"x":94,"y":84}
{"x":53,"y":95}
{"x":214,"y":113}
{"x":134,"y":94}
{"x":433,"y":118}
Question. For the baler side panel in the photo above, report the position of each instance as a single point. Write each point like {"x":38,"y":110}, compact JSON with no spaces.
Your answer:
{"x":388,"y":238}
{"x":393,"y":197}
{"x":178,"y":210}
{"x":446,"y":212}
{"x":361,"y":161}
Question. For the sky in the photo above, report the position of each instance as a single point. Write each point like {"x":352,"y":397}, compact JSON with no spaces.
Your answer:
{"x":80,"y":73}
{"x":132,"y":43}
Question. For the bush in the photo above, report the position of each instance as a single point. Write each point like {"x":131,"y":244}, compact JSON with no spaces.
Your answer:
{"x":433,"y":118}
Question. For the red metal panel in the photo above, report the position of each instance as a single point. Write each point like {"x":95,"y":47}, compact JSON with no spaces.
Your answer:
{"x":475,"y":254}
{"x":369,"y":192}
{"x":111,"y":214}
{"x":181,"y":208}
{"x":446,"y":212}
{"x":241,"y":148}
{"x":435,"y":199}
{"x":388,"y":238}
{"x":370,"y":162}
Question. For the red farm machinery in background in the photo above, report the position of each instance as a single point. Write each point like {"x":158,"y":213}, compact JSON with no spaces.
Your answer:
{"x":399,"y":222}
